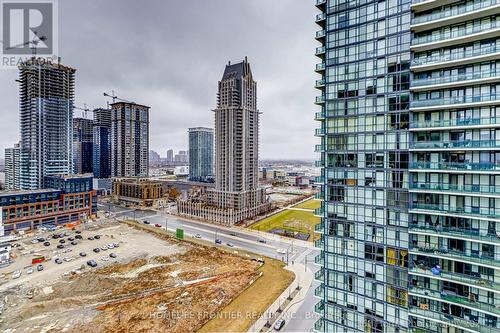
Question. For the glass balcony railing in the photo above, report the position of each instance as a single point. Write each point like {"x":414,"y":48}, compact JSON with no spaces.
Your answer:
{"x":458,"y":278}
{"x":471,"y":258}
{"x":454,"y":10}
{"x":320,"y":83}
{"x":487,"y":189}
{"x":319,"y":275}
{"x":320,"y":2}
{"x":455,"y":122}
{"x":474,"y":234}
{"x":319,"y":326}
{"x":454,"y":78}
{"x":320,"y":17}
{"x":319,"y":308}
{"x":320,"y":50}
{"x":319,"y":148}
{"x":455,"y":100}
{"x":319,"y":116}
{"x":457,"y":55}
{"x":453,"y":320}
{"x":472,"y":211}
{"x":456,"y":299}
{"x":442,"y":36}
{"x":319,"y":259}
{"x":464,"y":166}
{"x":456,"y":144}
{"x":319,"y":291}
{"x":319,"y":164}
{"x":320,"y":34}
{"x":319,"y":211}
{"x":320,"y":67}
{"x":320,"y":99}
{"x":319,"y":227}
{"x":319,"y":196}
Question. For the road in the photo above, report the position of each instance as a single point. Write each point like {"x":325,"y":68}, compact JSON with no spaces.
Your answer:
{"x":305,"y":317}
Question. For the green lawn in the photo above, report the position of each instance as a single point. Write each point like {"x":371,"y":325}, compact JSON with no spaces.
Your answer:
{"x":309,"y":204}
{"x":294,"y":220}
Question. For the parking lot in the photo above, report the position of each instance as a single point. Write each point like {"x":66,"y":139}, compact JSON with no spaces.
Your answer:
{"x":113,"y":239}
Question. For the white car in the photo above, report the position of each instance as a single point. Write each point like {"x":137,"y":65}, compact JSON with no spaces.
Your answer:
{"x":104,"y":248}
{"x":116,"y":245}
{"x":34,"y":241}
{"x":16,"y":275}
{"x":68,"y":258}
{"x":103,"y":258}
{"x":29,"y":270}
{"x":197,"y":236}
{"x":230,"y":244}
{"x":111,"y":246}
{"x":281,"y":251}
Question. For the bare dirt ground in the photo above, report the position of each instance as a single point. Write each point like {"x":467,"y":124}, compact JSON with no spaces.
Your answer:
{"x":145,"y":291}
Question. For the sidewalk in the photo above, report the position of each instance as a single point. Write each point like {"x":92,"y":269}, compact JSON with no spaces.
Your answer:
{"x":288,"y":302}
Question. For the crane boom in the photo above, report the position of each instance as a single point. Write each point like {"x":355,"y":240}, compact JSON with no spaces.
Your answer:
{"x":114,"y":97}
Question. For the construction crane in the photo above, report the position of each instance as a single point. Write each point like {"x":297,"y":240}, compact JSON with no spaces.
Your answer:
{"x":85,"y":109}
{"x":114,"y":97}
{"x":35,"y":42}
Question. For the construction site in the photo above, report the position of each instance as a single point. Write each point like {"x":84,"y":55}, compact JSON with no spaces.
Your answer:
{"x":156,"y":284}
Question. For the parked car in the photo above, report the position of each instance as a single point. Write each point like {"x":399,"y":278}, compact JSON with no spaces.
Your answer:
{"x":60,"y":246}
{"x":39,"y":268}
{"x":97,"y":250}
{"x":71,"y":239}
{"x":90,"y":238}
{"x":230,"y":244}
{"x":46,"y":243}
{"x":73,"y":243}
{"x":62,"y":241}
{"x":158,"y":225}
{"x":197,"y":236}
{"x":34,"y":241}
{"x":78,"y":237}
{"x":97,"y":237}
{"x":67,"y":259}
{"x":29,"y":270}
{"x":78,"y":232}
{"x":58,"y":261}
{"x":104,"y":248}
{"x":111,"y":246}
{"x":262,"y":240}
{"x":218,"y":241}
{"x":145,"y":222}
{"x":83,"y":254}
{"x":279,"y":324}
{"x":112,"y":255}
{"x":92,"y":263}
{"x":41,"y":239}
{"x":103,"y":258}
{"x":16,"y":275}
{"x":116,"y":244}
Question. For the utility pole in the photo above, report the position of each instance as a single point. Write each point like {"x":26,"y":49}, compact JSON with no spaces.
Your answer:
{"x":166,"y":224}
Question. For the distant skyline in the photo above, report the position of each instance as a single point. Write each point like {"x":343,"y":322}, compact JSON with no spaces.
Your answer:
{"x":173,"y":65}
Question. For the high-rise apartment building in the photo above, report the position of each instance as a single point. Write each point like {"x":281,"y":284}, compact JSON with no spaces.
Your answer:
{"x":181,"y":157}
{"x":13,"y":167}
{"x":410,"y":180}
{"x":237,"y":195}
{"x":82,"y":145}
{"x":201,"y":154}
{"x":46,"y":119}
{"x":102,"y":143}
{"x":129,"y":140}
{"x":455,"y":167}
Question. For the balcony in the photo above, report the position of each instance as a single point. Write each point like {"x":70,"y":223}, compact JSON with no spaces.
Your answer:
{"x":319,"y":291}
{"x":320,"y":18}
{"x":448,"y":38}
{"x":458,"y":79}
{"x":320,"y":67}
{"x":477,"y":212}
{"x":319,"y":211}
{"x":319,"y":196}
{"x":320,"y":51}
{"x":486,"y":122}
{"x":452,"y":58}
{"x":455,"y":255}
{"x":460,"y":145}
{"x":320,"y":35}
{"x":319,"y":308}
{"x":319,"y":148}
{"x":453,"y":102}
{"x":476,"y":189}
{"x":319,"y":259}
{"x":319,"y":164}
{"x":319,"y":326}
{"x":319,"y":116}
{"x":320,"y":3}
{"x":319,"y":132}
{"x":319,"y":228}
{"x":320,"y":100}
{"x":455,"y":166}
{"x":319,"y":275}
{"x":453,"y":14}
{"x":452,"y":320}
{"x":458,"y":233}
{"x":458,"y":278}
{"x":455,"y":299}
{"x":320,"y":83}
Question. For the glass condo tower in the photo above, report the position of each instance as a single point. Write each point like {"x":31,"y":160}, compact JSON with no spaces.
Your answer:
{"x":410,"y":164}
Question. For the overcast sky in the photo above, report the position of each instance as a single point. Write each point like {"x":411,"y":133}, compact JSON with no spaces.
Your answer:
{"x":170,"y":54}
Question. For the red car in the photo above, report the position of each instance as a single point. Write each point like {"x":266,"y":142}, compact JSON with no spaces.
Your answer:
{"x":158,"y":225}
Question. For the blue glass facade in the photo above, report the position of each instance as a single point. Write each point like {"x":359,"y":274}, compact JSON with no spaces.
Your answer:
{"x":201,"y":154}
{"x":102,"y":152}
